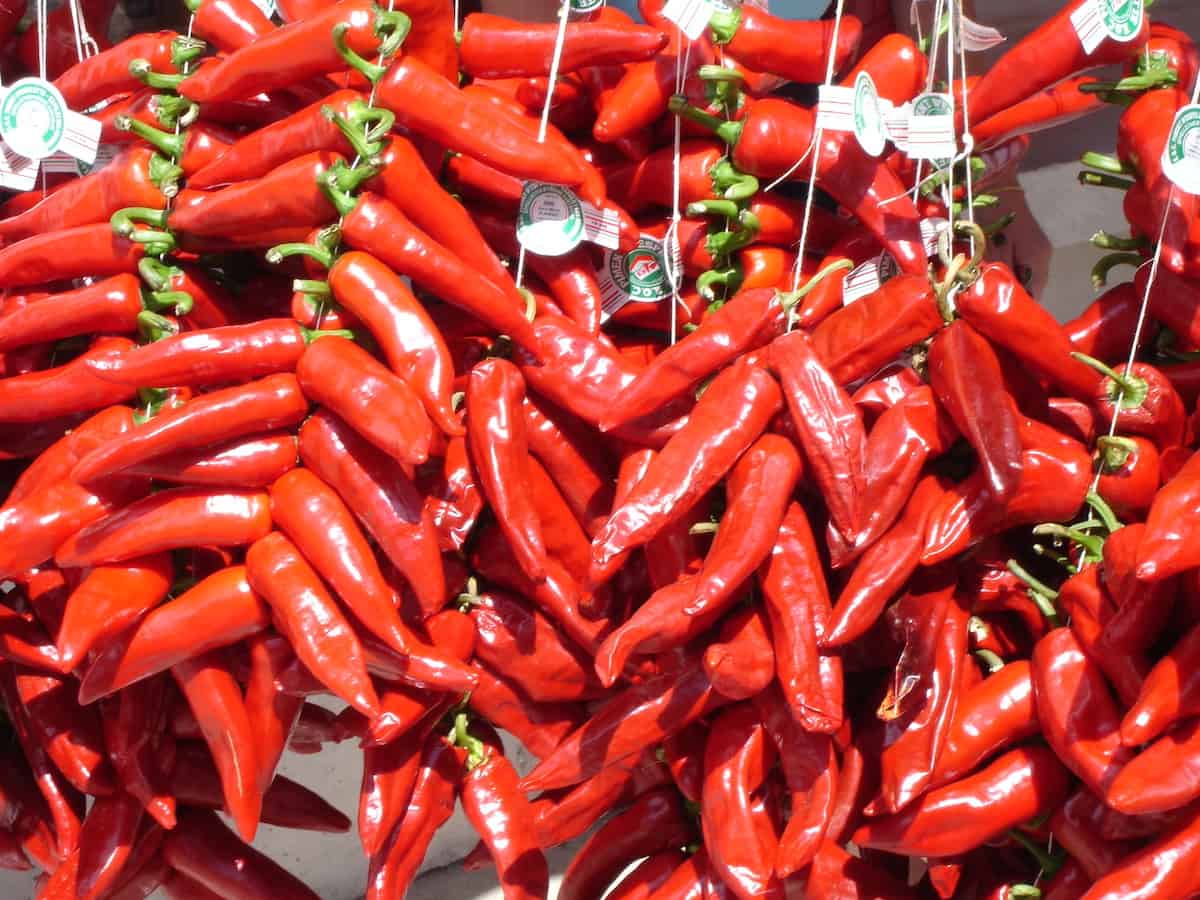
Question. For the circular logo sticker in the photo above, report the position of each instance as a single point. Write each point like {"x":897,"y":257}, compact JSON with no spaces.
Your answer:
{"x":641,"y":273}
{"x":1122,"y":18}
{"x":868,"y":118}
{"x":32,"y":118}
{"x":550,"y":221}
{"x":1181,"y":155}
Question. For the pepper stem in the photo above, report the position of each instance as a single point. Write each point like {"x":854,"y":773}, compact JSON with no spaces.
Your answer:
{"x":392,"y":27}
{"x":340,"y":196}
{"x":311,"y":286}
{"x":165,"y":174}
{"x":280,"y":252}
{"x":1104,"y":179}
{"x":1048,"y":864}
{"x":727,"y":131}
{"x":178,"y":302}
{"x":705,"y":528}
{"x":990,"y":660}
{"x":1105,"y":162}
{"x":140,"y":69}
{"x":315,"y":334}
{"x":720,"y":73}
{"x":174,"y":111}
{"x":1023,"y":892}
{"x":1105,"y":241}
{"x":1114,"y":451}
{"x":186,"y":49}
{"x":732,"y":184}
{"x":1041,"y":594}
{"x":1107,"y":263}
{"x":476,"y":749}
{"x":1106,"y":513}
{"x":723,"y":243}
{"x":153,"y":327}
{"x":167,"y":144}
{"x":530,"y":303}
{"x":1092,"y":545}
{"x":1147,"y":79}
{"x":791,"y":299}
{"x":364,"y":146}
{"x":1127,"y":389}
{"x":706,"y":282}
{"x":724,"y":24}
{"x":726,"y":208}
{"x":157,"y":274}
{"x":369,"y":70}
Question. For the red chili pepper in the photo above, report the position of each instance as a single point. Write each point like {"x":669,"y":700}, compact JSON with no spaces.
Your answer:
{"x":386,"y":502}
{"x":323,"y":527}
{"x":252,"y":462}
{"x":1077,"y":714}
{"x":430,"y":805}
{"x":1056,"y":105}
{"x":741,"y":663}
{"x":62,"y":390}
{"x":630,"y":721}
{"x":540,"y":727}
{"x":23,"y":641}
{"x":215,"y":698}
{"x":168,"y":520}
{"x":731,"y":414}
{"x":190,"y":150}
{"x":640,"y":96}
{"x":112,"y":305}
{"x":204,"y":849}
{"x":1050,"y":54}
{"x":582,"y":474}
{"x":649,"y":875}
{"x":1166,"y":548}
{"x":757,"y":493}
{"x":219,"y":611}
{"x":56,"y":462}
{"x":794,"y":50}
{"x":229,"y":25}
{"x":272,"y":402}
{"x":564,"y":814}
{"x":1164,"y":868}
{"x":321,"y":636}
{"x":107,"y":73}
{"x":296,"y":52}
{"x":132,"y":722}
{"x":497,"y":47}
{"x":108,"y":599}
{"x":138,"y":177}
{"x":1169,"y":693}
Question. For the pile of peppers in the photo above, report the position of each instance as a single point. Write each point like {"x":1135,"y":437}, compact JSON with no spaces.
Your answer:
{"x":790,"y":593}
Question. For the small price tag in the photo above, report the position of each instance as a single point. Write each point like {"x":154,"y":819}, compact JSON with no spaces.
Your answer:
{"x":692,"y":16}
{"x":868,"y":278}
{"x":639,"y":276}
{"x":931,"y":129}
{"x":1181,"y":155}
{"x":550,"y":220}
{"x":601,"y":226}
{"x":17,"y":173}
{"x":835,"y":108}
{"x":1095,"y":20}
{"x":868,"y":116}
{"x":896,"y":122}
{"x":36,"y":122}
{"x":931,"y":230}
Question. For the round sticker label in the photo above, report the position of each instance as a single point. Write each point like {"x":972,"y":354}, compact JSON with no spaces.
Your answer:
{"x":868,"y":117}
{"x":1181,"y":155}
{"x":33,"y":118}
{"x":1122,"y":18}
{"x":641,"y":273}
{"x":550,"y":221}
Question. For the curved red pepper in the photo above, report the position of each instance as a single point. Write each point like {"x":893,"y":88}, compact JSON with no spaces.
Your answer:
{"x":1166,"y":548}
{"x":229,"y":25}
{"x":107,"y":73}
{"x":498,"y":47}
{"x":62,"y":390}
{"x":252,"y":462}
{"x":109,"y":306}
{"x":794,"y":50}
{"x":1167,"y":867}
{"x":539,"y":726}
{"x":132,"y":723}
{"x":741,"y":663}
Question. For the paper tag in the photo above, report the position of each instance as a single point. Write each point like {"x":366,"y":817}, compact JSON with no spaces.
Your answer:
{"x":105,"y":154}
{"x":601,"y":226}
{"x":692,"y":16}
{"x":16,"y":172}
{"x":868,"y":116}
{"x":896,"y":122}
{"x":35,"y":122}
{"x":931,"y":229}
{"x":835,"y":108}
{"x":1181,"y":155}
{"x":639,"y":276}
{"x":550,"y":220}
{"x":868,"y":278}
{"x":976,"y":37}
{"x":931,"y":129}
{"x":1096,"y":20}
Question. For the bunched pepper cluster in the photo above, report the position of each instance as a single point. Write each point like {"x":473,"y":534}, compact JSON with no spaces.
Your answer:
{"x":792,"y":587}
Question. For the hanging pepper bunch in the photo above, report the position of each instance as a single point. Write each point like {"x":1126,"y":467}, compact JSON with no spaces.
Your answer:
{"x":789,"y":586}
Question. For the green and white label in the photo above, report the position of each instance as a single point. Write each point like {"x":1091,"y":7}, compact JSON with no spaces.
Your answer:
{"x":550,"y":220}
{"x":931,"y":129}
{"x":33,"y":118}
{"x":868,"y":116}
{"x":1181,"y":155}
{"x":639,"y":276}
{"x":1096,"y":20}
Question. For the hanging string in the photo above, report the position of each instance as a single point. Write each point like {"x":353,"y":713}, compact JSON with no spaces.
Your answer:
{"x":563,"y":12}
{"x":815,"y":147}
{"x":671,"y":238}
{"x":85,"y":44}
{"x":968,"y":141}
{"x":939,"y":10}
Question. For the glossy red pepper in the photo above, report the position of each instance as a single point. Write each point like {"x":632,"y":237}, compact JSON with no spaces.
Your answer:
{"x":581,"y":473}
{"x":62,"y":390}
{"x":741,"y":663}
{"x":107,"y":73}
{"x":229,"y":25}
{"x":252,"y":462}
{"x":1166,"y":548}
{"x":1170,"y":692}
{"x":136,"y":748}
{"x":109,"y":306}
{"x":794,"y":50}
{"x":498,"y":47}
{"x":217,"y":612}
{"x":1103,"y":329}
{"x":539,"y":726}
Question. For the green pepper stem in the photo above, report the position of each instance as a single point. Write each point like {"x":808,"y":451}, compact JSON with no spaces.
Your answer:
{"x":1114,"y":451}
{"x":124,"y":222}
{"x":724,"y":24}
{"x":999,"y":225}
{"x":178,"y":302}
{"x":1100,"y":506}
{"x":157,"y":274}
{"x":1104,"y":179}
{"x":1147,"y":79}
{"x":153,"y":327}
{"x":727,"y":131}
{"x":1048,"y":864}
{"x":1042,"y":595}
{"x":791,"y":299}
{"x":172,"y":110}
{"x":1092,"y":545}
{"x":1107,"y":263}
{"x":707,"y":281}
{"x":341,"y":197}
{"x":364,"y":147}
{"x":185,"y":49}
{"x":391,"y":27}
{"x":1105,"y":241}
{"x":720,"y":73}
{"x":732,"y":184}
{"x":315,"y":334}
{"x":369,"y":70}
{"x":476,"y":749}
{"x":991,"y":661}
{"x":1023,"y":892}
{"x":140,"y":69}
{"x":170,"y":145}
{"x":1105,"y":162}
{"x":726,"y":208}
{"x":704,"y":528}
{"x":311,"y":286}
{"x":1130,"y":390}
{"x":280,"y":252}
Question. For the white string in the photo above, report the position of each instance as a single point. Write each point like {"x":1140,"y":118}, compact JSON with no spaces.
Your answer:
{"x":85,"y":44}
{"x":818,"y":136}
{"x":42,"y":15}
{"x":967,"y":141}
{"x":935,"y":41}
{"x":563,"y":12}
{"x":948,"y":184}
{"x":671,"y":238}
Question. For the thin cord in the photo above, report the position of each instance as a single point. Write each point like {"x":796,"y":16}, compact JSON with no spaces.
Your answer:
{"x":555,"y":60}
{"x":671,"y":238}
{"x":818,"y":136}
{"x":939,"y":10}
{"x":968,"y":141}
